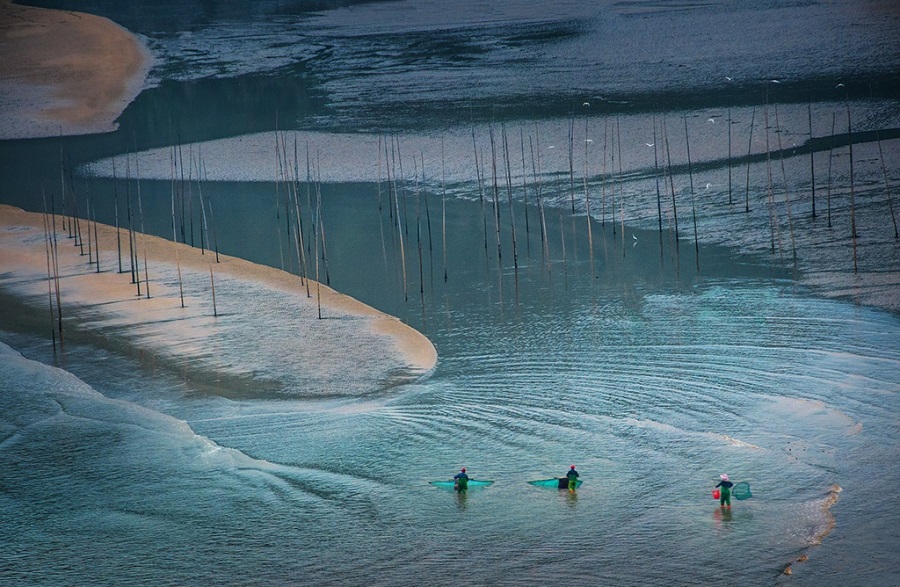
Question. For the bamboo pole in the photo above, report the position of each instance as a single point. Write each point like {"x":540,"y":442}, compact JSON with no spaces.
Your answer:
{"x":299,"y":241}
{"x":400,"y":231}
{"x":212,"y":283}
{"x":496,"y":197}
{"x":175,"y":230}
{"x":54,"y":246}
{"x":132,"y":253}
{"x":321,"y":221}
{"x":96,"y":240}
{"x":278,"y":174}
{"x":116,"y":212}
{"x":137,"y":171}
{"x":671,"y":178}
{"x":512,"y":218}
{"x":50,"y":277}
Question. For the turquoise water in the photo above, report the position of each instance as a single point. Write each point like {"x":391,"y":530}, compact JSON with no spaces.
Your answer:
{"x":653,"y":366}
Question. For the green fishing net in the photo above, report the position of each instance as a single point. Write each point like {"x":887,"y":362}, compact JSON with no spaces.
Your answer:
{"x":741,"y":491}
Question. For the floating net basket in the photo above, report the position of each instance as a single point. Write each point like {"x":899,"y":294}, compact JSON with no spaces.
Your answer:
{"x":742,"y":491}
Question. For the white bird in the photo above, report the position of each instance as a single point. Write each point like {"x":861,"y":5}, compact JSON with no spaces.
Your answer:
{"x":711,"y":120}
{"x":649,"y":144}
{"x":728,"y":78}
{"x":707,"y":185}
{"x":839,"y":86}
{"x":775,"y":81}
{"x":586,"y":104}
{"x":634,"y":237}
{"x":588,"y":140}
{"x":552,"y":147}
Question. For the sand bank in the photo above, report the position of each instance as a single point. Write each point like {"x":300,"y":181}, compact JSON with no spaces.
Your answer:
{"x":65,"y":72}
{"x":261,"y":328}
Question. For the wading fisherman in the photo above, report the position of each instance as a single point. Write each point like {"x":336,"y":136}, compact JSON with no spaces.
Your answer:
{"x":725,"y":494}
{"x":461,"y":480}
{"x":572,"y":475}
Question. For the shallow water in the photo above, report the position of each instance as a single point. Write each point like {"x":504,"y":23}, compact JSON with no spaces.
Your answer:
{"x":652,"y":367}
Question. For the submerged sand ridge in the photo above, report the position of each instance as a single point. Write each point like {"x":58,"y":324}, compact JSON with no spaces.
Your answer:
{"x":65,"y":72}
{"x":262,"y":329}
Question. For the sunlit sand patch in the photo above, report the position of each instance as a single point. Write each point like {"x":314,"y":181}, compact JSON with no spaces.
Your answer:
{"x":65,"y":72}
{"x":267,"y":330}
{"x":667,"y":428}
{"x":817,"y":413}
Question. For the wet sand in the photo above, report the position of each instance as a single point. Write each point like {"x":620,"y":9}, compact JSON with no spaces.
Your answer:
{"x":65,"y":72}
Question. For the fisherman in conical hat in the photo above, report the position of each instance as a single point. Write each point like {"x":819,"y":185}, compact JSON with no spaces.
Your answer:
{"x":725,"y":495}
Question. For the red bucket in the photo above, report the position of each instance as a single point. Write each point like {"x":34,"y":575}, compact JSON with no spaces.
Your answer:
{"x":716,"y":494}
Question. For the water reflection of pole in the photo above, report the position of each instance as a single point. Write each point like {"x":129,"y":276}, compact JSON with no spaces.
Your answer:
{"x":572,"y":159}
{"x":50,"y":276}
{"x":536,"y":173}
{"x":729,"y":156}
{"x":587,"y":200}
{"x":620,"y":182}
{"x":774,"y":227}
{"x":525,"y":192}
{"x":419,"y":232}
{"x":603,"y":174}
{"x":443,"y":210}
{"x":830,"y":161}
{"x":887,"y":191}
{"x":687,"y":142}
{"x":812,"y":162}
{"x":480,"y":191}
{"x":665,"y":132}
{"x":787,"y":196}
{"x":749,"y":152}
{"x":512,"y":217}
{"x":658,"y":194}
{"x":852,"y":193}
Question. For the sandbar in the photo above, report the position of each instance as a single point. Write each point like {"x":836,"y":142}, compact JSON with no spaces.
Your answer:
{"x":65,"y":73}
{"x":207,"y":313}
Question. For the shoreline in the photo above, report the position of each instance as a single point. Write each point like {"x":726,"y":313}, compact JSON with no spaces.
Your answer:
{"x":65,"y":73}
{"x":340,"y":356}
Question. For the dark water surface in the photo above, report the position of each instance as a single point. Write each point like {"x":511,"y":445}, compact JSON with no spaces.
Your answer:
{"x":652,"y":365}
